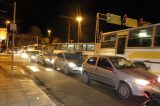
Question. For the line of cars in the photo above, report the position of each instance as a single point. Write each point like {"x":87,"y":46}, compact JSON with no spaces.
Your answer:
{"x":121,"y":74}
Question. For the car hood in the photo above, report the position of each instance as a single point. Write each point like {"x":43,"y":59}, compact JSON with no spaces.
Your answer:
{"x":139,"y":73}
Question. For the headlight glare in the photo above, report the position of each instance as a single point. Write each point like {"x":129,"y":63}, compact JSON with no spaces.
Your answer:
{"x":24,"y":55}
{"x":141,"y":82}
{"x":52,"y":61}
{"x":72,"y":65}
{"x":47,"y":59}
{"x":33,"y":57}
{"x":158,"y":79}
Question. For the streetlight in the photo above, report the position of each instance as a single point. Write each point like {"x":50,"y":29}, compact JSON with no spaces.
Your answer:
{"x":79,"y":19}
{"x":7,"y":37}
{"x":49,"y":32}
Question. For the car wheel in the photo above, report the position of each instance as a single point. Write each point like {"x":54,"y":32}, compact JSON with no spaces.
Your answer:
{"x":54,"y":67}
{"x":66,"y":71}
{"x":85,"y":77}
{"x":124,"y":91}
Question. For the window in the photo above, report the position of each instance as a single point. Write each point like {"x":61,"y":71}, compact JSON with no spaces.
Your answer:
{"x":60,"y":55}
{"x":140,"y":37}
{"x":108,"y":41}
{"x":104,"y":63}
{"x":92,"y":60}
{"x":157,"y":37}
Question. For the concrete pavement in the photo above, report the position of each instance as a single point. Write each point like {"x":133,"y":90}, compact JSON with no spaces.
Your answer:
{"x":16,"y":89}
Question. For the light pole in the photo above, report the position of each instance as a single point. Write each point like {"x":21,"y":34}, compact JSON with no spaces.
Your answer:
{"x":49,"y":35}
{"x":49,"y":32}
{"x":7,"y":37}
{"x":79,"y":19}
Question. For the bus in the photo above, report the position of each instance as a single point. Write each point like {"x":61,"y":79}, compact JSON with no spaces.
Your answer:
{"x":87,"y":48}
{"x":141,"y":45}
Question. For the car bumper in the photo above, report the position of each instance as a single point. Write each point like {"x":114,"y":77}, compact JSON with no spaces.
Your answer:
{"x":139,"y":90}
{"x":75,"y":69}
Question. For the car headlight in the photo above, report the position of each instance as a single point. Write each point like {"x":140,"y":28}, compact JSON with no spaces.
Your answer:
{"x":52,"y":61}
{"x":47,"y":59}
{"x":158,"y":79}
{"x":141,"y":82}
{"x":24,"y":55}
{"x":33,"y":57}
{"x":72,"y":65}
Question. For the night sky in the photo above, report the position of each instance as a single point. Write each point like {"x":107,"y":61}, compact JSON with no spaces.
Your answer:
{"x":48,"y":14}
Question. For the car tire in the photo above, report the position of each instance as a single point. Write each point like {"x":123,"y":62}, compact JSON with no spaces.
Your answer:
{"x":54,"y":67}
{"x":124,"y":91}
{"x":85,"y":77}
{"x":66,"y":71}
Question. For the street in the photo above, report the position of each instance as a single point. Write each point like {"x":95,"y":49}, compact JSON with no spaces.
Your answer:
{"x":70,"y":90}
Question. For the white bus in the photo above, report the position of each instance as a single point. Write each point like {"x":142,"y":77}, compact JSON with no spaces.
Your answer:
{"x":87,"y":48}
{"x":141,"y":44}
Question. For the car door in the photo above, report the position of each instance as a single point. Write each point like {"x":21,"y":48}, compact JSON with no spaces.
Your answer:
{"x":89,"y":66}
{"x":104,"y":71}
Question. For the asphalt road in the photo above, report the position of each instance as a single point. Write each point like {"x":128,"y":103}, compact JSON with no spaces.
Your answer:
{"x":71,"y":91}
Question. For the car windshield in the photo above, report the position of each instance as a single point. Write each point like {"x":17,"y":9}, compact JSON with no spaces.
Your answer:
{"x":34,"y":52}
{"x":49,"y":54}
{"x":122,"y":63}
{"x":72,"y":56}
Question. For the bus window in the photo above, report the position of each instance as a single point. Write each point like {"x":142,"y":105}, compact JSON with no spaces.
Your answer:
{"x":140,"y":37}
{"x":78,"y":47}
{"x":108,"y":41}
{"x":157,"y":37}
{"x":64,"y":47}
{"x":71,"y":47}
{"x":90,"y":47}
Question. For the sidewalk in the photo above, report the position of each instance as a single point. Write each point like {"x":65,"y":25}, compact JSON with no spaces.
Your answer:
{"x":18,"y":90}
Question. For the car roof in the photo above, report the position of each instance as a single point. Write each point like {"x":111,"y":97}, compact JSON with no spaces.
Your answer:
{"x":106,"y":56}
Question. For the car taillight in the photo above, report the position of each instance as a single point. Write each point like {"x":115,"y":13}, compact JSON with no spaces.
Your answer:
{"x":153,"y":81}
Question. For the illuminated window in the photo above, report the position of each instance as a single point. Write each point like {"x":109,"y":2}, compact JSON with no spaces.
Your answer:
{"x":140,"y":37}
{"x":157,"y":37}
{"x":108,"y":41}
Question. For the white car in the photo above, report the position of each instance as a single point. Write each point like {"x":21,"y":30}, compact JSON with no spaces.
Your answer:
{"x":69,"y":62}
{"x":121,"y":74}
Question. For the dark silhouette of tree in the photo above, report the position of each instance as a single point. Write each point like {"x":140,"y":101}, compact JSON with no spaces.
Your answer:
{"x":35,"y":30}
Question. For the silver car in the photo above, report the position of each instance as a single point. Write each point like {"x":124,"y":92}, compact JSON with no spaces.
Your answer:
{"x":46,"y":58}
{"x":124,"y":76}
{"x":69,"y":62}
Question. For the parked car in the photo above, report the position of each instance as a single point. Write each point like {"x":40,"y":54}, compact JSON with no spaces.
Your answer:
{"x":124,"y":76}
{"x":46,"y":58}
{"x":69,"y":62}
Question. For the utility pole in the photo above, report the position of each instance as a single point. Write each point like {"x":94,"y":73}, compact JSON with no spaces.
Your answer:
{"x":14,"y":29}
{"x":69,"y":27}
{"x":69,"y":30}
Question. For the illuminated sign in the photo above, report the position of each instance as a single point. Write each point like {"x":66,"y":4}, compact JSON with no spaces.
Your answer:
{"x":114,"y":19}
{"x":3,"y":33}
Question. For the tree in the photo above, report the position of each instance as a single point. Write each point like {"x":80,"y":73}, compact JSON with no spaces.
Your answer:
{"x":35,"y":30}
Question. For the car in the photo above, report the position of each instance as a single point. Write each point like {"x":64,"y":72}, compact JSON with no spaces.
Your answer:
{"x":32,"y":55}
{"x":69,"y":62}
{"x":46,"y":58}
{"x":15,"y":50}
{"x":82,"y":54}
{"x":121,"y":74}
